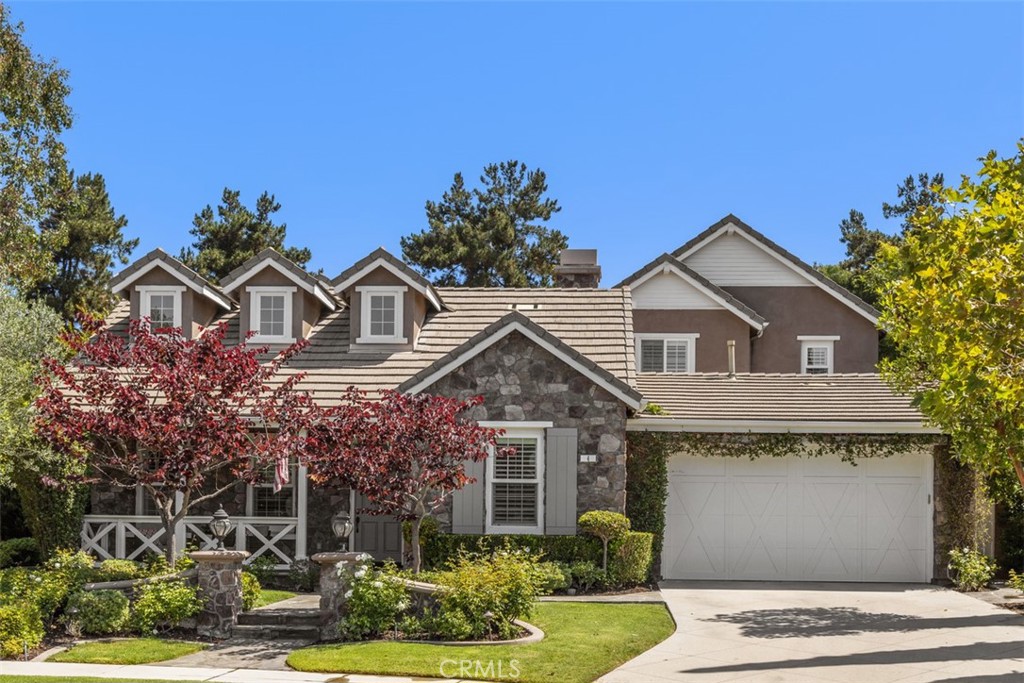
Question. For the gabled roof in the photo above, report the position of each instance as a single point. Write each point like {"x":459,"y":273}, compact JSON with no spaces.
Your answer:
{"x":158,"y":258}
{"x":271,"y":257}
{"x":753,"y":402}
{"x":517,"y":322}
{"x":381,"y":258}
{"x":733,"y":225}
{"x":666,"y":263}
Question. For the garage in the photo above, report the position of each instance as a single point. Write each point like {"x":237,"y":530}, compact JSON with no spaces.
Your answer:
{"x":799,"y":519}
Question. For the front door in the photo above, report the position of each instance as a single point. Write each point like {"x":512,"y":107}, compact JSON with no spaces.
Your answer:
{"x":378,"y":535}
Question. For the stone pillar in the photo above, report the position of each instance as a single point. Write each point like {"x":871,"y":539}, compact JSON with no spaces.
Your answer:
{"x":220,"y":585}
{"x":332,"y":589}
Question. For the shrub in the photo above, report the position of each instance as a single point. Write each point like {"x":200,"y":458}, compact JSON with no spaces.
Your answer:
{"x":251,"y":590}
{"x":631,"y":556}
{"x":441,"y":550}
{"x":1015,"y":581}
{"x":971,"y":570}
{"x":304,"y":576}
{"x":586,"y":575}
{"x":18,"y":552}
{"x":98,"y":612}
{"x":606,"y":526}
{"x":551,"y":577}
{"x":375,"y":601}
{"x":489,"y":593}
{"x":20,"y":627}
{"x":263,"y":568}
{"x":118,"y":570}
{"x":164,"y":604}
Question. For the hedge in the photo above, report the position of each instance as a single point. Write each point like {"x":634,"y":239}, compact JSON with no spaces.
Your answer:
{"x":629,"y":558}
{"x":18,"y":552}
{"x":439,"y":549}
{"x":647,"y":486}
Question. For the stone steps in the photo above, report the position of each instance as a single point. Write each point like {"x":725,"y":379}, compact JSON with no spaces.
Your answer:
{"x":283,"y":624}
{"x":279,"y":632}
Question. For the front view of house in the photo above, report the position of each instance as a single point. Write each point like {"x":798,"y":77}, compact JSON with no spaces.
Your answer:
{"x":728,"y":340}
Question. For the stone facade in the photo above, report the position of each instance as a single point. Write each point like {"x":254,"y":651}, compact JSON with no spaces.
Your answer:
{"x":334,"y":581}
{"x":219,"y":573}
{"x":962,"y":516}
{"x":323,"y":503}
{"x":521,"y":382}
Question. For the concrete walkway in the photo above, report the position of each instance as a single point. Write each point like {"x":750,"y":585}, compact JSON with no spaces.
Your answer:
{"x":797,"y":633}
{"x":143,"y":672}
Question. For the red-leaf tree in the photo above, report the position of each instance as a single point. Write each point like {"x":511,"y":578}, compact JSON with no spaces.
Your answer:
{"x":405,"y":453}
{"x":184,"y":419}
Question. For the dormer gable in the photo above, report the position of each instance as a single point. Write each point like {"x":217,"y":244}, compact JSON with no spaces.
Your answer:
{"x":389,"y":302}
{"x":279,"y":301}
{"x":169,"y":293}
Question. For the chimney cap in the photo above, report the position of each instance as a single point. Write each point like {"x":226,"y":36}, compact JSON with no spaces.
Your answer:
{"x":578,"y":257}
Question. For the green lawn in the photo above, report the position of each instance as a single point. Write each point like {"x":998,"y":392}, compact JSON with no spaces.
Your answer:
{"x":127,"y":651}
{"x":269,"y":597}
{"x":582,"y":641}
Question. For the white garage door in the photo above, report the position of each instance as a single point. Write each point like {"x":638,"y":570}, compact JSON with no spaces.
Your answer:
{"x":799,"y":519}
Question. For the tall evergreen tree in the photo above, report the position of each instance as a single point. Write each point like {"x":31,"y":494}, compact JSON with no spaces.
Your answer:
{"x":93,"y":241}
{"x":491,"y":236}
{"x":235,"y":234}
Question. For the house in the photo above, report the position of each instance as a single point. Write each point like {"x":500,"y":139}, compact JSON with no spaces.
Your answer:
{"x":730,"y":340}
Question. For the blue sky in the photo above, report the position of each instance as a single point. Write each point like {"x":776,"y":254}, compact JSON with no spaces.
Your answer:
{"x":651,"y":120}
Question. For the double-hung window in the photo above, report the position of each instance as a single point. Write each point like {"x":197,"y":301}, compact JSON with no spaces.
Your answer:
{"x":270,"y":312}
{"x":666,"y":352}
{"x":161,"y":304}
{"x":817,"y":354}
{"x":263,"y":502}
{"x":382,"y":315}
{"x":515,"y":496}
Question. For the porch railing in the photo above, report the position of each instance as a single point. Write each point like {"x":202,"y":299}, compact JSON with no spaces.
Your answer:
{"x":132,"y":537}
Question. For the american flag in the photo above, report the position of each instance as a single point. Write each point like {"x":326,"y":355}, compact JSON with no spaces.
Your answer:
{"x":280,"y":474}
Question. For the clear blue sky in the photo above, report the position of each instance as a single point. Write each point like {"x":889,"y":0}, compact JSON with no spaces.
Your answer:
{"x":651,"y":120}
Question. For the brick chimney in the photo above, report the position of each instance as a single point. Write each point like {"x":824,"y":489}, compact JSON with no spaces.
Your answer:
{"x":578,"y":268}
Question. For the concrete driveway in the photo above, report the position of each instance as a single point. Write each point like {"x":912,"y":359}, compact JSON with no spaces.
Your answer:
{"x":874,"y":633}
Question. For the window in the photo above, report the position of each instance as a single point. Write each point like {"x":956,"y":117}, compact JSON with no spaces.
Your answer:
{"x":263,"y":502}
{"x":381,"y":315}
{"x":271,"y":314}
{"x":816,"y":354}
{"x":514,"y":484}
{"x":666,"y":352}
{"x":162,"y":305}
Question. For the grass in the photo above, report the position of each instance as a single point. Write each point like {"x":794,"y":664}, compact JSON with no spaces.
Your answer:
{"x":582,"y":641}
{"x":269,"y":597}
{"x":75,"y":679}
{"x":127,"y":651}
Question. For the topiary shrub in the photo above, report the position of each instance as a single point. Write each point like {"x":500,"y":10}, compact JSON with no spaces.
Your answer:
{"x":19,"y":552}
{"x":441,"y":550}
{"x":631,"y":555}
{"x":164,"y":604}
{"x":605,"y":526}
{"x":118,"y":570}
{"x":251,"y":590}
{"x":21,"y":628}
{"x":100,"y":612}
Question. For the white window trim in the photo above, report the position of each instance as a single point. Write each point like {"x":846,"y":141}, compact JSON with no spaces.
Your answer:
{"x":691,"y":350}
{"x":515,"y":430}
{"x":255,"y":294}
{"x":366,"y":292}
{"x":294,"y":474}
{"x":825,"y":341}
{"x":147,"y":291}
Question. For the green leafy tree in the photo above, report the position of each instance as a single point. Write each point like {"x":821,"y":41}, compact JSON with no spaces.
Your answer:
{"x":94,"y":242}
{"x":954,"y":305}
{"x":491,"y":236}
{"x":33,"y":114}
{"x":227,"y":239}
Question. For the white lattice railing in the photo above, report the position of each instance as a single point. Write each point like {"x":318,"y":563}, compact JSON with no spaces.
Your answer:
{"x":132,"y":537}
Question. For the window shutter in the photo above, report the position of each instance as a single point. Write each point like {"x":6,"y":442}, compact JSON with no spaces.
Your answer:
{"x":468,"y":502}
{"x":562,"y":452}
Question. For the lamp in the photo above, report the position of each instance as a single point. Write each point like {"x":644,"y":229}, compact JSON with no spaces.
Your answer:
{"x":220,"y":526}
{"x":341,"y":525}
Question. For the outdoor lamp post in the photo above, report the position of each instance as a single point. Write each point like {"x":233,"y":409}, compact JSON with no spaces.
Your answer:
{"x":220,"y":526}
{"x":341,"y":525}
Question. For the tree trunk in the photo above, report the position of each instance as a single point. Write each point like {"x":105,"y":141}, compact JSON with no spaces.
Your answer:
{"x":604,"y":562}
{"x":415,"y":539}
{"x":1019,"y":469}
{"x":171,"y":547}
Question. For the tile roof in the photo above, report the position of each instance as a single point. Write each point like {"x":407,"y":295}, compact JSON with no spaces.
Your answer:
{"x":197,"y":281}
{"x":783,"y":398}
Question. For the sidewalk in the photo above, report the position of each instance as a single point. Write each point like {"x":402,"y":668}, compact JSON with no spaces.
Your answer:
{"x":143,"y":672}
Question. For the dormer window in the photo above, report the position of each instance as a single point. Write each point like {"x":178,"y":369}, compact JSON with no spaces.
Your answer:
{"x":382,"y":315}
{"x":817,"y":354}
{"x":270,"y":310}
{"x":161,"y":304}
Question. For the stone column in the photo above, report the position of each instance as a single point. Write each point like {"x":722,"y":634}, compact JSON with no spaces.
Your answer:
{"x":332,"y":589}
{"x":220,"y":585}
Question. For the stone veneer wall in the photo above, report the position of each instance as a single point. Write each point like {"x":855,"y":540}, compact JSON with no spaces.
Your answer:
{"x":962,"y":515}
{"x":323,"y":503}
{"x":521,"y":382}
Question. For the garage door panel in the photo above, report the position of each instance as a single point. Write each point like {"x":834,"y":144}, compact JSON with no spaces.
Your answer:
{"x":794,"y":518}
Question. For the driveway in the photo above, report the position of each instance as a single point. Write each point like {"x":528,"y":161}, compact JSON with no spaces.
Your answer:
{"x":874,"y":633}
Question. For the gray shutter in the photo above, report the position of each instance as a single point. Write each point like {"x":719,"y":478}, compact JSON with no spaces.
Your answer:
{"x":560,"y":481}
{"x":468,"y":502}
